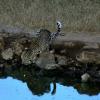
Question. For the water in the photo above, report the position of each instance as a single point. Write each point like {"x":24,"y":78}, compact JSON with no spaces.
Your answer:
{"x":44,"y":89}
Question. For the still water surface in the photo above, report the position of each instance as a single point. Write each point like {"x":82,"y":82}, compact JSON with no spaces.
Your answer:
{"x":13,"y":89}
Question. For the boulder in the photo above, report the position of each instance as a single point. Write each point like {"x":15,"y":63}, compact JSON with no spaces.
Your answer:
{"x":91,"y":45}
{"x":46,"y":61}
{"x":85,"y":77}
{"x":86,"y":56}
{"x":7,"y":54}
{"x":1,"y":43}
{"x":61,"y":60}
{"x":17,"y":48}
{"x":52,"y":66}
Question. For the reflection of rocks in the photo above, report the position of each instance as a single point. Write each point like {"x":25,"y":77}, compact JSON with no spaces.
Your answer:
{"x":89,"y":89}
{"x":7,"y":54}
{"x":40,"y":85}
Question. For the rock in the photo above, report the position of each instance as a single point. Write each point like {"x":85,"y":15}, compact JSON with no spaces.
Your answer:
{"x":85,"y":77}
{"x":8,"y":68}
{"x":70,"y":44}
{"x":68,"y":48}
{"x":63,"y":51}
{"x":91,"y":46}
{"x":17,"y":47}
{"x":88,"y":56}
{"x":1,"y":43}
{"x":52,"y":51}
{"x":1,"y":65}
{"x":7,"y":54}
{"x":96,"y":74}
{"x":51,"y":66}
{"x":45,"y":60}
{"x":62,"y":60}
{"x":99,"y":73}
{"x":1,"y":68}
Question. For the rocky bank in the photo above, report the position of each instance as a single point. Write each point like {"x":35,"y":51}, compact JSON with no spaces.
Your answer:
{"x":74,"y":54}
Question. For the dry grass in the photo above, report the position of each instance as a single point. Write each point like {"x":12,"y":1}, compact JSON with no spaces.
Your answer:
{"x":76,"y":15}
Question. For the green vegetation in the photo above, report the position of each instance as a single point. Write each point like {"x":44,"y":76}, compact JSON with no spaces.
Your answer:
{"x":76,"y":15}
